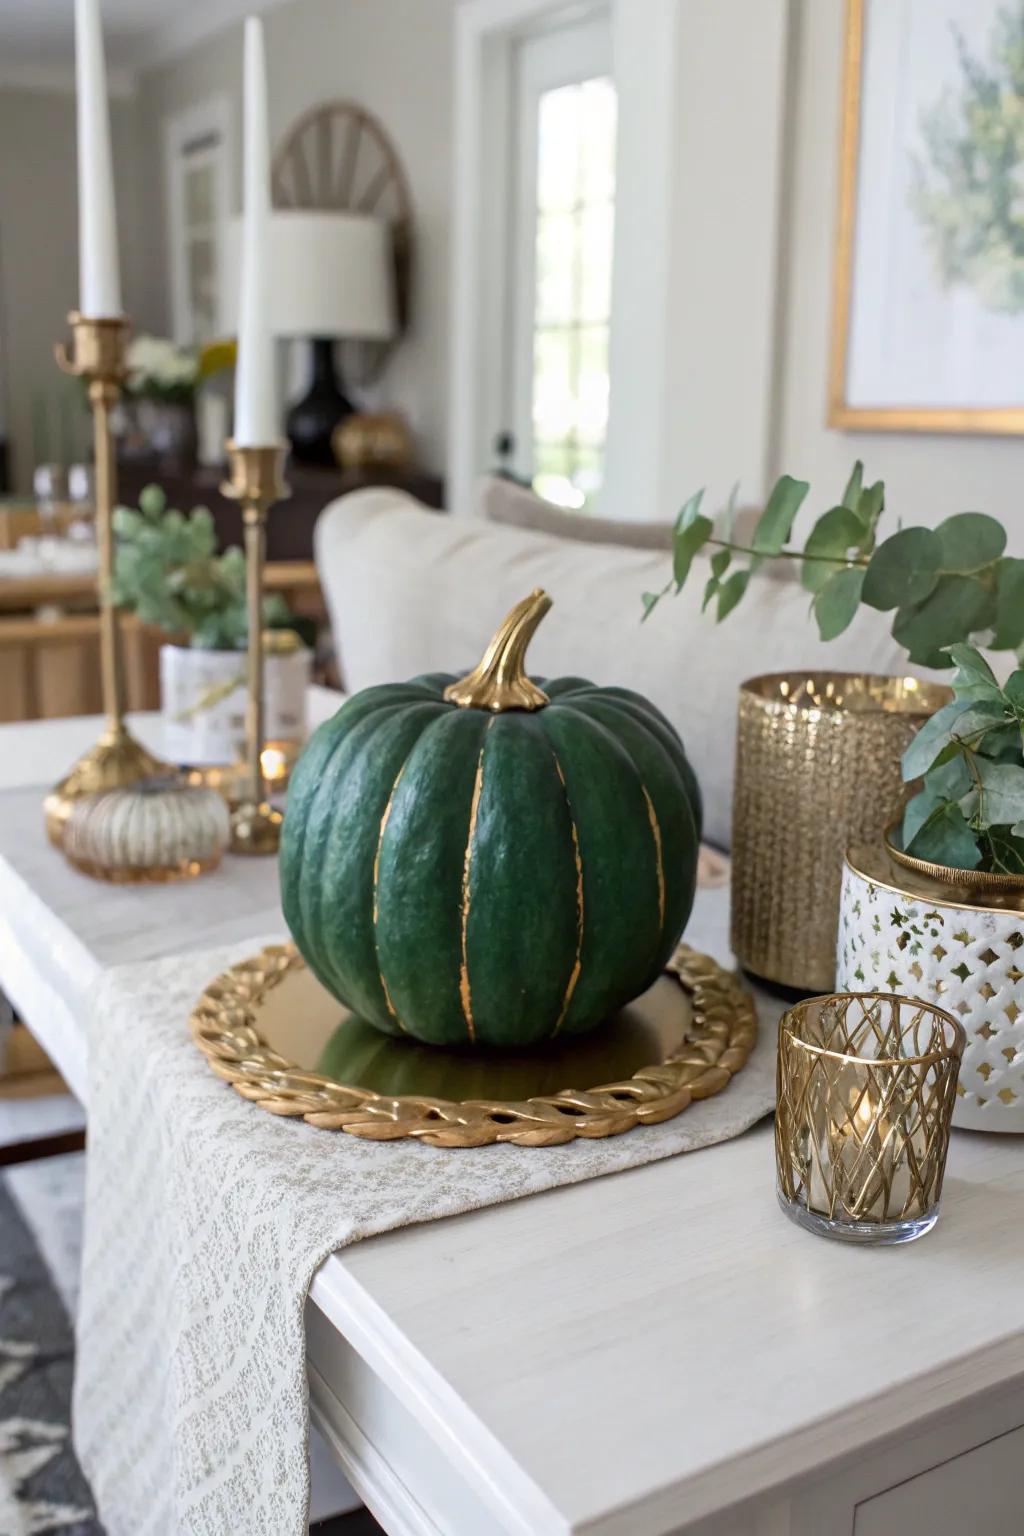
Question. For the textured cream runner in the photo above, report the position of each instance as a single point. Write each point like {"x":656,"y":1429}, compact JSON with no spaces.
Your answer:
{"x":205,"y":1222}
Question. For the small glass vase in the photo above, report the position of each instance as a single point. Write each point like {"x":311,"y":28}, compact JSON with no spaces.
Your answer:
{"x":866,"y":1088}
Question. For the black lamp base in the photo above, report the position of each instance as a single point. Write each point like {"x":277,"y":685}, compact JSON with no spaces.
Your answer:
{"x":311,"y":421}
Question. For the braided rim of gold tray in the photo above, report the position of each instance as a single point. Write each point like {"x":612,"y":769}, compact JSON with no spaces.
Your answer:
{"x":720,"y":1039}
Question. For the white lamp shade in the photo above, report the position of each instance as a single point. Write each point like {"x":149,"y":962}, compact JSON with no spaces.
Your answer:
{"x":330,"y":274}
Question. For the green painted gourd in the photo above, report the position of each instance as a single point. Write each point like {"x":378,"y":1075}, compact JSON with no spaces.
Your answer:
{"x":492,"y":861}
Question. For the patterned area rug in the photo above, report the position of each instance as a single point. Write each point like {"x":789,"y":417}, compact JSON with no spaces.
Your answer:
{"x":42,"y":1489}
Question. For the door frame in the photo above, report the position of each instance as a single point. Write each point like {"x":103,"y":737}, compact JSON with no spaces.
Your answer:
{"x":487,"y":34}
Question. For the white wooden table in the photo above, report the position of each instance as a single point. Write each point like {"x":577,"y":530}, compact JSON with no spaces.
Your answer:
{"x":654,"y":1352}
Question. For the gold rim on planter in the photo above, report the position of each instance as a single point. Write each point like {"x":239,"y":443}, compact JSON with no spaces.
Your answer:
{"x":980,"y":882}
{"x":716,"y":1045}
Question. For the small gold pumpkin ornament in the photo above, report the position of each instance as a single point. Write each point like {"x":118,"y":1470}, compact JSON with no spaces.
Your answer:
{"x":373,"y":440}
{"x":162,"y":829}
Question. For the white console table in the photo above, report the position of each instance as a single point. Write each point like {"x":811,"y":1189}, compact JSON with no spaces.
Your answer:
{"x":656,"y":1352}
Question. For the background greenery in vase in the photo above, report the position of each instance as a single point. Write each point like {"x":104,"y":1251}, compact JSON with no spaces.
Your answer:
{"x":167,"y":571}
{"x":945,"y":588}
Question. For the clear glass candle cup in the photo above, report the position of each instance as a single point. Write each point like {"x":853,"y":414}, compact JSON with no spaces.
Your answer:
{"x":866,"y":1088}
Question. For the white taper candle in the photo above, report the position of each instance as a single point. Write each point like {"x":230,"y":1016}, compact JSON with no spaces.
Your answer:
{"x":99,"y":278}
{"x":256,"y":422}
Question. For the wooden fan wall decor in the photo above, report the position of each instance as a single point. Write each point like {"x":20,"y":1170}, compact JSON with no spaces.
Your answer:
{"x":337,"y":156}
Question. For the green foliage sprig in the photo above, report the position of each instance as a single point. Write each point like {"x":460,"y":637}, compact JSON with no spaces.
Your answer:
{"x":167,"y":571}
{"x":944,"y":586}
{"x":969,"y":813}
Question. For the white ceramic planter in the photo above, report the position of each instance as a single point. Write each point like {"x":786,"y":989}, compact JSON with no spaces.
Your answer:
{"x":203,"y":697}
{"x":900,"y":932}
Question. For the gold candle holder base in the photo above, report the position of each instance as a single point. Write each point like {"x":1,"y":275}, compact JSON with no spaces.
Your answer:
{"x":117,"y":761}
{"x":255,"y":828}
{"x":97,"y":354}
{"x":255,"y":481}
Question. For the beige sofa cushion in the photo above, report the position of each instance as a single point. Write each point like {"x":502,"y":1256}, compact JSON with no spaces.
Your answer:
{"x":515,"y":506}
{"x":411,"y":592}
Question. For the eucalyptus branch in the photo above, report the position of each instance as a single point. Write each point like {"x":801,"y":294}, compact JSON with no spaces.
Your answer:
{"x":858,"y":562}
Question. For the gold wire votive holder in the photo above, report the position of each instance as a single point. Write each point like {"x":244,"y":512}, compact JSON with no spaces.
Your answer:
{"x":866,"y":1089}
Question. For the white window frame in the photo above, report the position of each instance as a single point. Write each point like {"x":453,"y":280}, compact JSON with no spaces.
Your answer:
{"x":210,"y":118}
{"x":577,"y":51}
{"x":698,"y":325}
{"x":487,"y":33}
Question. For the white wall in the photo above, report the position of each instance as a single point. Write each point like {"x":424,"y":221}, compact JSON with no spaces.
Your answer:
{"x":393,"y":57}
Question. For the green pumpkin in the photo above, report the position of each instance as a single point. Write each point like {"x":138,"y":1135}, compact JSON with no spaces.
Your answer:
{"x":492,"y":861}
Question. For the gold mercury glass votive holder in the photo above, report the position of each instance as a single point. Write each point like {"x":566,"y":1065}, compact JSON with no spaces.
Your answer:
{"x":866,"y":1089}
{"x":817,"y":768}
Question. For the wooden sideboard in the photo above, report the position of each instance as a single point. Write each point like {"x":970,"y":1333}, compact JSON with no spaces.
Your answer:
{"x":49,"y":641}
{"x":290,"y":525}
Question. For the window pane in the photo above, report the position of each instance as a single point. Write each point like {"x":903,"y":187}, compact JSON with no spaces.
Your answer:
{"x":554,"y":395}
{"x":558,"y":155}
{"x":592,"y":385}
{"x":557,"y":239}
{"x":597,"y":135}
{"x":596,"y":234}
{"x":588,"y":471}
{"x":574,"y":239}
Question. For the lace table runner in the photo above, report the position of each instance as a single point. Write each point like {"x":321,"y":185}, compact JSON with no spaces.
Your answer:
{"x":206,"y":1219}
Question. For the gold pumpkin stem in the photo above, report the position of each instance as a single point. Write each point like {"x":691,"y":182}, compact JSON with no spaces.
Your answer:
{"x":500,"y":681}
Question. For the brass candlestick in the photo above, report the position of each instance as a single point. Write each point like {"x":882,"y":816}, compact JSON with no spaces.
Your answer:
{"x":117,"y":760}
{"x":255,"y":480}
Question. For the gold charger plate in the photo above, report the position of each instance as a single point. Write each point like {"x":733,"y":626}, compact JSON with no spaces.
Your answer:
{"x":279,"y":1038}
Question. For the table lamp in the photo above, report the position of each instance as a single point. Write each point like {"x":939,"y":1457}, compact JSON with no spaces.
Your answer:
{"x":331,"y":276}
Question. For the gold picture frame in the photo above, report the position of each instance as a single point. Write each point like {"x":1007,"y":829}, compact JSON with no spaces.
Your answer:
{"x":989,"y":420}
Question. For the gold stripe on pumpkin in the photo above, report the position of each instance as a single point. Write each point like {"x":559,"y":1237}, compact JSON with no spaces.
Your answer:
{"x":574,"y":974}
{"x":467,"y":863}
{"x":376,"y":876}
{"x":656,"y":829}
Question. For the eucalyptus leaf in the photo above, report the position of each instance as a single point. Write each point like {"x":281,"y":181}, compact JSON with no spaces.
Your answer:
{"x":970,"y":541}
{"x":958,"y":607}
{"x":917,"y":811}
{"x":938,"y":732}
{"x":869,"y":507}
{"x":730,"y":592}
{"x":692,"y":531}
{"x":837,"y":601}
{"x":833,"y":535}
{"x":1014,"y":689}
{"x":949,"y":780}
{"x":999,"y":800}
{"x":688,"y":538}
{"x":167,"y":570}
{"x":720,"y":562}
{"x":152,"y":500}
{"x":851,"y":495}
{"x":945,"y":838}
{"x":650,"y":601}
{"x":1009,"y":605}
{"x":727,"y":517}
{"x":1005,"y":850}
{"x":711,"y":587}
{"x":903,"y":570}
{"x":969,"y":660}
{"x":775,"y":524}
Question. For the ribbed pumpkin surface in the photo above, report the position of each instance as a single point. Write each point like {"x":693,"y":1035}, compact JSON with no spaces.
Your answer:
{"x":483,"y":878}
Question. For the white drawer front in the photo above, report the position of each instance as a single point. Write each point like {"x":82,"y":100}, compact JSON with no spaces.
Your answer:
{"x":980,"y":1493}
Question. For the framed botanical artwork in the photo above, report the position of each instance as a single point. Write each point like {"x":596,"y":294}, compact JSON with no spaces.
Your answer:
{"x":928,"y":330}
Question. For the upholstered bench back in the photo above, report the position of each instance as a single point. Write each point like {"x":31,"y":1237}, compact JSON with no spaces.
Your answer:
{"x":410,"y":592}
